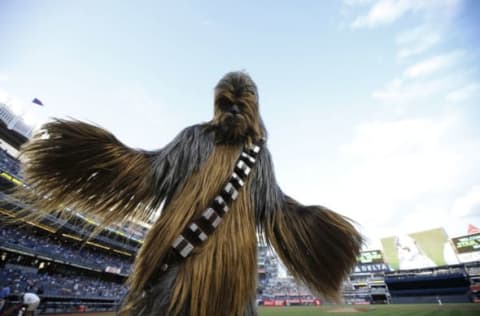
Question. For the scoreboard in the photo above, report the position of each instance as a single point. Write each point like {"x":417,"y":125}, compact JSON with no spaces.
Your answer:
{"x":370,"y":256}
{"x":468,"y":243}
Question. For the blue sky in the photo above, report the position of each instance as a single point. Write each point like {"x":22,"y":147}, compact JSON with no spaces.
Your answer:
{"x":371,"y":106}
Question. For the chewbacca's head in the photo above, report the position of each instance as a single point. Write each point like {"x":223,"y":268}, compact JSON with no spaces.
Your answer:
{"x":237,"y":118}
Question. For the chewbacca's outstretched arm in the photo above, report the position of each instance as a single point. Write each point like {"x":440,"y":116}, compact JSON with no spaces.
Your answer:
{"x":317,"y":245}
{"x":81,"y":166}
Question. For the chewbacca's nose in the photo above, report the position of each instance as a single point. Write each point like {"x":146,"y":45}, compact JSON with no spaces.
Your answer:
{"x":235,"y":109}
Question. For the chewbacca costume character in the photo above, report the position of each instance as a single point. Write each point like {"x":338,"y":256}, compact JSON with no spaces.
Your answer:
{"x":218,"y":190}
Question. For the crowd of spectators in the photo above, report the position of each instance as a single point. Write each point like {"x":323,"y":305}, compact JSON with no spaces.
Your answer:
{"x":60,"y":248}
{"x":9,"y":163}
{"x":52,"y":284}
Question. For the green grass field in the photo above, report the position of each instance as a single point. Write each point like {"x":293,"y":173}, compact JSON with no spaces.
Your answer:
{"x":376,"y":310}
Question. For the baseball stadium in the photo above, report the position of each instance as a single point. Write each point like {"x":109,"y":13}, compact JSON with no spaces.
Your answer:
{"x":76,"y":274}
{"x":239,"y":158}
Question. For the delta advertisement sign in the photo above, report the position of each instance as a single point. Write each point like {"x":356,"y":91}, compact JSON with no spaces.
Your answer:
{"x":370,"y":261}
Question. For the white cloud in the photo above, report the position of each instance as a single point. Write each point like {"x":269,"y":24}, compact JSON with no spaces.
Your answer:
{"x":433,"y":64}
{"x":389,"y":11}
{"x":418,"y":85}
{"x":3,"y":77}
{"x":378,"y":140}
{"x":416,"y":41}
{"x":393,"y":165}
{"x":401,"y":91}
{"x":423,"y":217}
{"x":422,"y":46}
{"x":412,"y":35}
{"x":468,"y":204}
{"x":382,"y":12}
{"x":464,"y":93}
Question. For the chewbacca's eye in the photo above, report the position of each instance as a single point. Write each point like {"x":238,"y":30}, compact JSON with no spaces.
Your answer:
{"x":251,"y":91}
{"x":224,"y":104}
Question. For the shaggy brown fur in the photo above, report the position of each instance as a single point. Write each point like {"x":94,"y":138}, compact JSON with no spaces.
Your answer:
{"x":222,"y":270}
{"x":75,"y":164}
{"x":81,"y":166}
{"x":317,"y":245}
